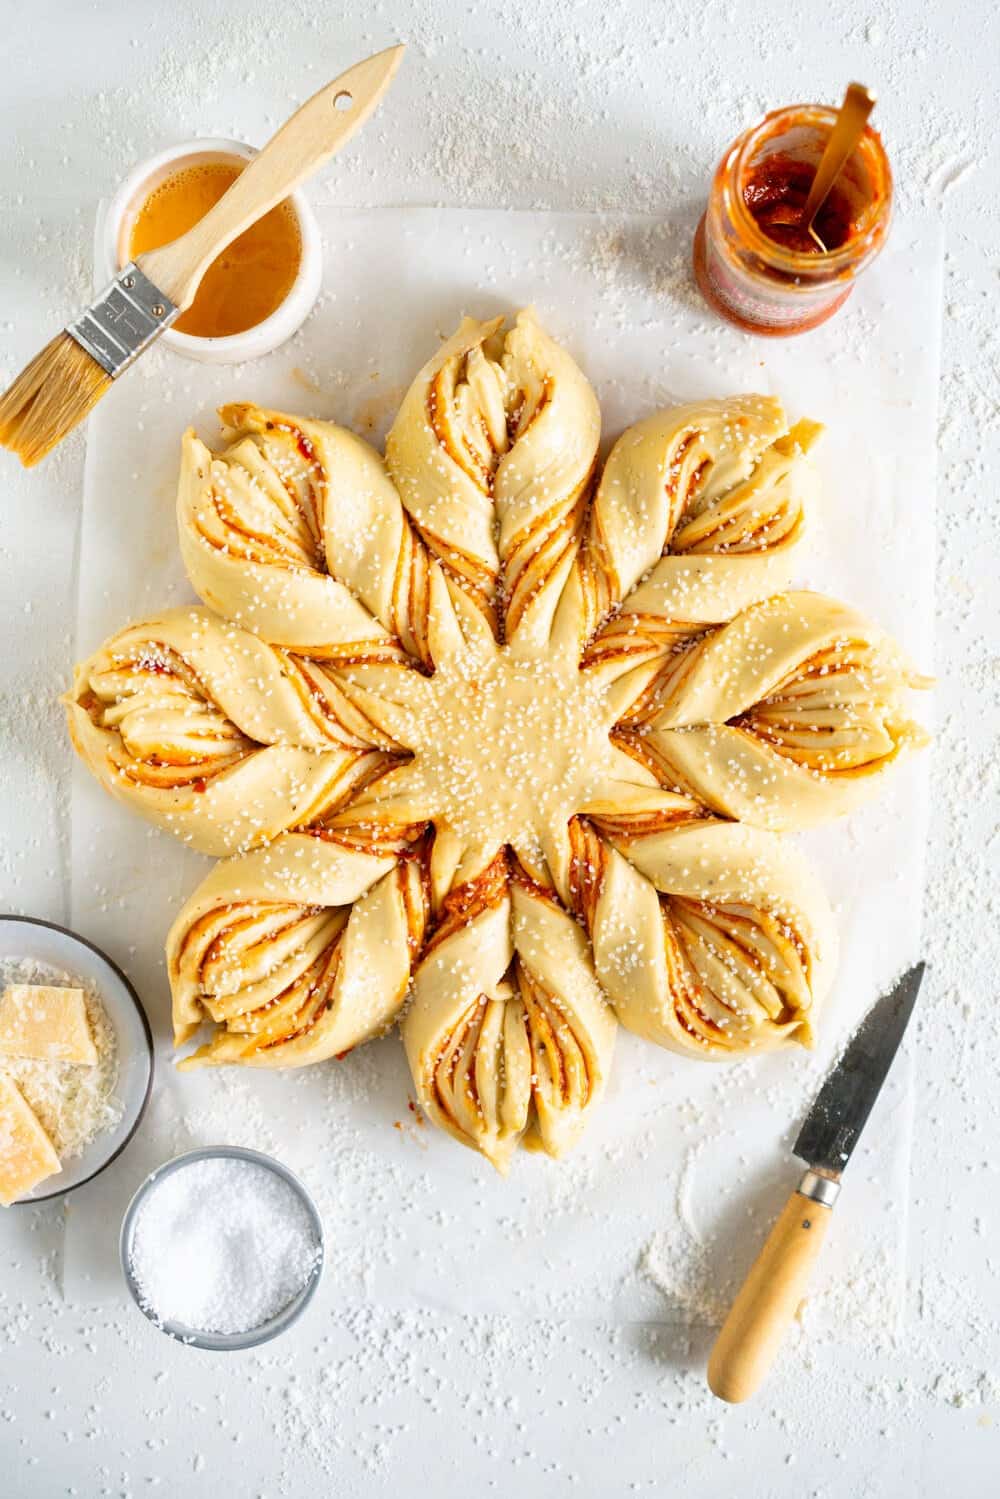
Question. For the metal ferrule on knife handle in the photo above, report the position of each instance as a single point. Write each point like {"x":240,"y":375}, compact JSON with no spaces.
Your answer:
{"x":127,"y":316}
{"x":819,"y":1188}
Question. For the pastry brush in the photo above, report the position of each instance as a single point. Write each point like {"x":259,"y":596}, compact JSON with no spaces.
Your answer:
{"x":65,"y":381}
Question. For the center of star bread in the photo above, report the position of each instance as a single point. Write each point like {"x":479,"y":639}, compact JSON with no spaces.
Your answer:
{"x":506,"y":747}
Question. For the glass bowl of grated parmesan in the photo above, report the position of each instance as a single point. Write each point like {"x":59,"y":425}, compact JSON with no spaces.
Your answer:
{"x":89,"y":1113}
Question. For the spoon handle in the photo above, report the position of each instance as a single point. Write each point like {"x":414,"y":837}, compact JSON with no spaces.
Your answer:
{"x":847,"y":131}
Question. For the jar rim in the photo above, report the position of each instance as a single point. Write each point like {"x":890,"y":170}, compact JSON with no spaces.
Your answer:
{"x":811,"y":266}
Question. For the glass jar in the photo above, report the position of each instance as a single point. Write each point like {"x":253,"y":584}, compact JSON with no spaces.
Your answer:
{"x":781,"y":288}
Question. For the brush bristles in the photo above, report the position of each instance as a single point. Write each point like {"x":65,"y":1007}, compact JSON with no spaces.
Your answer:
{"x":49,"y":398}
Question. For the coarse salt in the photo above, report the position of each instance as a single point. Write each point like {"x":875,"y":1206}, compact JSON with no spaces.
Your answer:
{"x":222,"y":1246}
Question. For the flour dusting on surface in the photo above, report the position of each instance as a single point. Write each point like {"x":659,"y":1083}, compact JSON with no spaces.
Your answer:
{"x":562,"y":106}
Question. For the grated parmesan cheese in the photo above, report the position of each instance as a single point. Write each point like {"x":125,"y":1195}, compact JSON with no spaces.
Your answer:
{"x":74,"y":1104}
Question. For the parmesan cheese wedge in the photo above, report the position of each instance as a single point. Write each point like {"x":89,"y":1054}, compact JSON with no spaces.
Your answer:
{"x":46,"y":1023}
{"x":27,"y":1156}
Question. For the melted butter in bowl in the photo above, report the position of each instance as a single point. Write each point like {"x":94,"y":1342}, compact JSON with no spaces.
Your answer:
{"x":258,"y":291}
{"x":251,"y":278}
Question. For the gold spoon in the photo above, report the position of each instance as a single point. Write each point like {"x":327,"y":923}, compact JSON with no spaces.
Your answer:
{"x":848,"y":128}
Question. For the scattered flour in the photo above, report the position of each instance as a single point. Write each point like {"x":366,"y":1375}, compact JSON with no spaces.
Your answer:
{"x":504,"y":1401}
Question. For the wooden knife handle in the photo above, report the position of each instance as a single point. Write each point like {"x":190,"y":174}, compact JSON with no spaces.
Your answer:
{"x":312,"y":135}
{"x":768,"y":1300}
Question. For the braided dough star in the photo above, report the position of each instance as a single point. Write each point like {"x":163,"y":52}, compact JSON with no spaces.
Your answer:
{"x":494,"y":741}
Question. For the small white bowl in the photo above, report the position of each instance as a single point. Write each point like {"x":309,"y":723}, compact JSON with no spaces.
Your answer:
{"x":22,"y":937}
{"x":263,"y":337}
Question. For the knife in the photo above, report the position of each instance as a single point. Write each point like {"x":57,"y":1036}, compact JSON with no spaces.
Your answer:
{"x":769,"y":1298}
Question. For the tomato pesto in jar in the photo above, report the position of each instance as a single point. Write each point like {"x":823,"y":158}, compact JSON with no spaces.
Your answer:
{"x":754,"y":259}
{"x":775,"y":193}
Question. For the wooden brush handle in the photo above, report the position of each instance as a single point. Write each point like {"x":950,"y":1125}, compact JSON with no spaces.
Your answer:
{"x":303,"y":144}
{"x":768,"y":1300}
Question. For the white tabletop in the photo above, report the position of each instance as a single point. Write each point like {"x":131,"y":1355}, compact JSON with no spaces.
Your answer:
{"x":559,"y":104}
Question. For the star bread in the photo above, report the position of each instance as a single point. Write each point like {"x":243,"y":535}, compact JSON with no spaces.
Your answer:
{"x":496,"y":742}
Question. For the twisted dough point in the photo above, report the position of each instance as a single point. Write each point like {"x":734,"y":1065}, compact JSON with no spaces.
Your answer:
{"x":492,"y":452}
{"x":508,"y":1036}
{"x":296,"y":953}
{"x":442,"y":452}
{"x":698,"y":514}
{"x":296,"y":531}
{"x":542,"y":483}
{"x":212,"y":734}
{"x":783,"y":718}
{"x":711,"y":940}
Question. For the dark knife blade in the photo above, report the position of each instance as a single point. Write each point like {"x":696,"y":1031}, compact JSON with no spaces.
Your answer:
{"x":842,"y":1106}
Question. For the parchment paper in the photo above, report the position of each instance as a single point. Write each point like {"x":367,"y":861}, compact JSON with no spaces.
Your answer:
{"x":664,"y":1204}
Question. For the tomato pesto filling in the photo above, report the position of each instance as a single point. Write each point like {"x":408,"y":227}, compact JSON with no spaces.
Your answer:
{"x":775,"y":193}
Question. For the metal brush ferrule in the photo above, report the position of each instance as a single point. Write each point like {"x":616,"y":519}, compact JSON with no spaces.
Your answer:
{"x":127,"y":316}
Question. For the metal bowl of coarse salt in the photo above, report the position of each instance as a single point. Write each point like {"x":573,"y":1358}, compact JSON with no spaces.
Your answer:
{"x":222,"y":1248}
